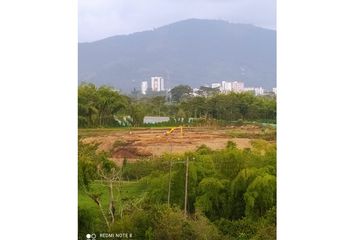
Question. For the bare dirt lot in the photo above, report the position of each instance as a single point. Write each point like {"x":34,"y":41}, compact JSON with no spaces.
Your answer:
{"x":134,"y":144}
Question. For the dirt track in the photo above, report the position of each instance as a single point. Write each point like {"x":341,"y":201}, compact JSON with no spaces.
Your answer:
{"x":154,"y":142}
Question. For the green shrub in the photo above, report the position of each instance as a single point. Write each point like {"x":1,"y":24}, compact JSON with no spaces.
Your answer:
{"x":86,"y":222}
{"x":204,"y":150}
{"x":231,"y":145}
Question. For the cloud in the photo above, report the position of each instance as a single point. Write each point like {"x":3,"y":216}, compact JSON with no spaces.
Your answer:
{"x":103,"y":18}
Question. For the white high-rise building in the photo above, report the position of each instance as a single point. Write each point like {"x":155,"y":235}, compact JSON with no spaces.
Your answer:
{"x":275,"y":91}
{"x":226,"y":87}
{"x":144,"y":87}
{"x":238,"y":86}
{"x":157,"y":84}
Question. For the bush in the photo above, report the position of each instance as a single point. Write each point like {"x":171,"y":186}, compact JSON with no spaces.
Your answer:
{"x":266,"y":233}
{"x":241,"y":229}
{"x":85,"y":222}
{"x":204,"y":150}
{"x":230,"y":145}
{"x":172,"y":225}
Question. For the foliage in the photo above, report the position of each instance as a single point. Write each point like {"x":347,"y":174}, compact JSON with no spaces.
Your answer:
{"x":212,"y":199}
{"x":97,"y":106}
{"x":88,"y":160}
{"x":241,"y":229}
{"x":104,"y":107}
{"x":231,"y":193}
{"x":85,"y":222}
{"x":180,"y":91}
{"x":260,"y":196}
{"x":204,"y":149}
{"x":172,"y":225}
{"x":228,"y":163}
{"x":230,"y":145}
{"x":267,"y":135}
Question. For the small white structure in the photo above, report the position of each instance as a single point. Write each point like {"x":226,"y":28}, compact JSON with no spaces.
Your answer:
{"x":195,"y":92}
{"x":275,"y":91}
{"x":258,"y":91}
{"x":215,"y":85}
{"x":248,"y":89}
{"x":155,"y":119}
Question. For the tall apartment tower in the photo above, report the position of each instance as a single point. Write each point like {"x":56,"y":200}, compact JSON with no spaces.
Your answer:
{"x":238,"y":86}
{"x":144,"y":87}
{"x":226,"y":87}
{"x":157,"y":84}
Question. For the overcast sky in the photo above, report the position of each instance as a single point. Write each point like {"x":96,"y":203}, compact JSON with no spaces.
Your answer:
{"x":103,"y":18}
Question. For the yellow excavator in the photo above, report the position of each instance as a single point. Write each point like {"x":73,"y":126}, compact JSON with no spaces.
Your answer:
{"x":173,"y":129}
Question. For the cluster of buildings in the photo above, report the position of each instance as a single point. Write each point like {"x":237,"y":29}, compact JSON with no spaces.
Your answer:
{"x":237,"y":87}
{"x":226,"y":87}
{"x":157,"y":84}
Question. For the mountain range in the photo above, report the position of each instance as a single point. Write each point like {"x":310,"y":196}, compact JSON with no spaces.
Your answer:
{"x":194,"y":52}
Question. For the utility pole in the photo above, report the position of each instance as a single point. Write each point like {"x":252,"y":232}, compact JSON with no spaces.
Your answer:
{"x":186,"y":189}
{"x":169,"y":184}
{"x":170,"y":172}
{"x":169,"y":181}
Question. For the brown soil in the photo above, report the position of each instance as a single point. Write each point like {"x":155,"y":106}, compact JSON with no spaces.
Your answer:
{"x":154,"y":142}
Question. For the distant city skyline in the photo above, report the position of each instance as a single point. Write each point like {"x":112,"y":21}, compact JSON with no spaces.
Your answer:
{"x":98,"y":19}
{"x":157,"y":85}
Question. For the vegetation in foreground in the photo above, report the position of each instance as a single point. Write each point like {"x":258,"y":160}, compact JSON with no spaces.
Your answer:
{"x":231,"y":194}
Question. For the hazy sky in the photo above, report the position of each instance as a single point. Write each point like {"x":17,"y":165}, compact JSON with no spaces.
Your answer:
{"x":103,"y":18}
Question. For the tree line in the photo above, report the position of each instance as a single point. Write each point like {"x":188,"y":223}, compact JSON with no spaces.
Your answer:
{"x":104,"y":106}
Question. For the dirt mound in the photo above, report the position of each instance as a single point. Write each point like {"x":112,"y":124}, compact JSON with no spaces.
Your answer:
{"x":129,"y":153}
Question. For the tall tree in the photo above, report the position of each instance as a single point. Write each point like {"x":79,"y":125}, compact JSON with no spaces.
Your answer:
{"x":181,"y":91}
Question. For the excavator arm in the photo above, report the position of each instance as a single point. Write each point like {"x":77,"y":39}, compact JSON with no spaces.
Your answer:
{"x":173,"y":129}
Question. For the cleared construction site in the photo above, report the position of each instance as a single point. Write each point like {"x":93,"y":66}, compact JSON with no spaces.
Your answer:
{"x":134,"y":144}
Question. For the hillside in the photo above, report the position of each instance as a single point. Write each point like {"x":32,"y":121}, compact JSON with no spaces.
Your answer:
{"x":193,"y":52}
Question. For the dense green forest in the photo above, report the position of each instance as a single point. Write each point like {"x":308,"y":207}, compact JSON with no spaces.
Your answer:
{"x":102,"y":106}
{"x":231,"y":194}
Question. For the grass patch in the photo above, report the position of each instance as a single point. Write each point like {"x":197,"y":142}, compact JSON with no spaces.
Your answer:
{"x":265,"y":135}
{"x":129,"y":190}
